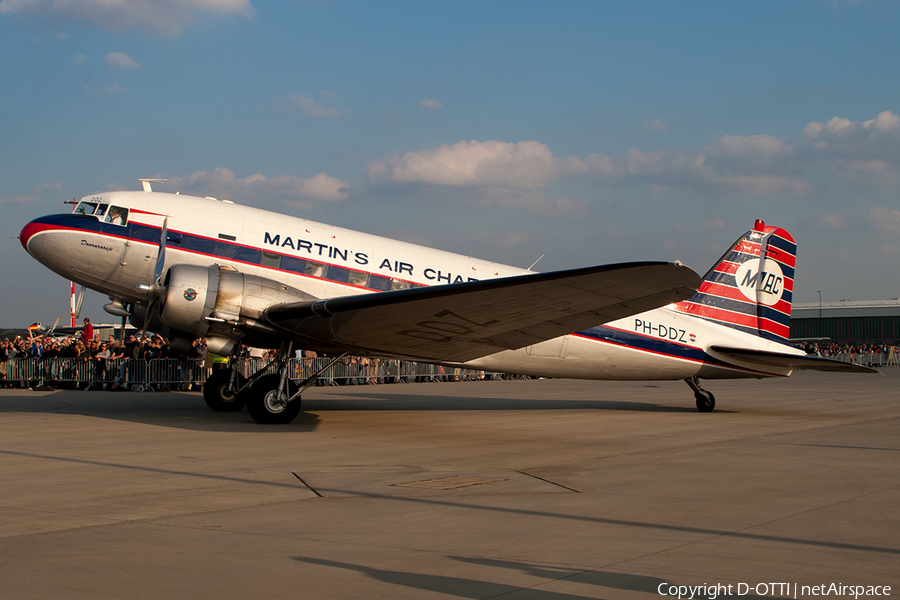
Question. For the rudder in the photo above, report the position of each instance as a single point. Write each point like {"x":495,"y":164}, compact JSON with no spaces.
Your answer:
{"x":751,"y":287}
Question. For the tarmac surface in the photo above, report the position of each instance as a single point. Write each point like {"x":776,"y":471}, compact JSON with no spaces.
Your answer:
{"x":511,"y":489}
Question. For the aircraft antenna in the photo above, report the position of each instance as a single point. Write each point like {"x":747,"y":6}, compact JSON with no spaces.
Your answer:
{"x":536,"y":262}
{"x":146,"y":183}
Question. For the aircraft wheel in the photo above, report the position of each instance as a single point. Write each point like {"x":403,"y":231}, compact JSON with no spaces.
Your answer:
{"x":706,"y":402}
{"x":268,"y":405}
{"x":220,"y":396}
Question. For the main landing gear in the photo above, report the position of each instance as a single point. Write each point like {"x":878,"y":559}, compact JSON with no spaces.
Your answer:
{"x":272,"y":398}
{"x":706,"y":402}
{"x":223,"y":391}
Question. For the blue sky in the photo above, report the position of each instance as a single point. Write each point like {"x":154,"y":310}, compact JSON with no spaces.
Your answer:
{"x":591,"y":132}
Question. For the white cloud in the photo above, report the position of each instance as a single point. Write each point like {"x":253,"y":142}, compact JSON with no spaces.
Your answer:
{"x":48,"y":187}
{"x":406,"y":235}
{"x":533,"y":200}
{"x":829,"y":221}
{"x":654,"y":126}
{"x":19,"y":200}
{"x":500,"y":239}
{"x":858,"y":149}
{"x":430,"y":103}
{"x":886,"y":123}
{"x":115,"y":89}
{"x":121,"y":60}
{"x":314,"y":109}
{"x":754,"y":146}
{"x":320,"y":187}
{"x":289,"y":189}
{"x":80,"y":60}
{"x":885,"y":219}
{"x":518,"y":174}
{"x":873,"y":166}
{"x":156,"y":16}
{"x":522,"y":165}
{"x":492,"y":173}
{"x":511,"y":239}
{"x":889,"y":249}
{"x":686,"y":169}
{"x":844,"y":136}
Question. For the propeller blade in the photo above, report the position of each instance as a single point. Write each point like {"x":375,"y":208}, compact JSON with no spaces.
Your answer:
{"x":147,"y":314}
{"x":161,"y":257}
{"x":152,"y":289}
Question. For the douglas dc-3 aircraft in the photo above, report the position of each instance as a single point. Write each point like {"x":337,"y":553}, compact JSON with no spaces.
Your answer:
{"x":187,"y":267}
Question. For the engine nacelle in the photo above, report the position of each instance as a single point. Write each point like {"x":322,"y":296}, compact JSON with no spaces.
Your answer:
{"x":220,"y":303}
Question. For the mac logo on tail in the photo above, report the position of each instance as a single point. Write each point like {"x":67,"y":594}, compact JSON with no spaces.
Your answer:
{"x":763,"y":284}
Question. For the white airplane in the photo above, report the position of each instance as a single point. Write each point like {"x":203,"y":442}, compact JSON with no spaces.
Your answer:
{"x":188,"y":267}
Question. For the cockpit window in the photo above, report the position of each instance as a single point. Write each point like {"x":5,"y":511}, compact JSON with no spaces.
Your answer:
{"x":98,"y":209}
{"x":85,"y":208}
{"x":117,"y":215}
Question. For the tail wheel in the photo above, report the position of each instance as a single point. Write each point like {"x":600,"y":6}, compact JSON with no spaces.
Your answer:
{"x":268,"y":405}
{"x":706,"y":402}
{"x":219,"y":393}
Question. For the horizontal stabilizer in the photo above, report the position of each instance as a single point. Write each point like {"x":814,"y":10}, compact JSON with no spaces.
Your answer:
{"x":791,"y":361}
{"x":469,"y":320}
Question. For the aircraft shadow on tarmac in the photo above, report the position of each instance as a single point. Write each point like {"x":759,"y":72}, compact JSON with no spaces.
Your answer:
{"x":638,"y":397}
{"x":176,"y":410}
{"x":185,"y":410}
{"x":606,"y":579}
{"x":445,"y":584}
{"x":387,"y":401}
{"x":462,"y":587}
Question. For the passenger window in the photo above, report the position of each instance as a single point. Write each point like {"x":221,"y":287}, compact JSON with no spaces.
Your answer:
{"x":314,"y":269}
{"x":396,"y":284}
{"x":358,"y":279}
{"x":339,"y":274}
{"x":117,"y":216}
{"x":379,"y":283}
{"x":270,"y":259}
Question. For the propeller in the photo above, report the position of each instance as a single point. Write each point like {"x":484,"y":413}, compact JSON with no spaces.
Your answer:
{"x":151,"y":290}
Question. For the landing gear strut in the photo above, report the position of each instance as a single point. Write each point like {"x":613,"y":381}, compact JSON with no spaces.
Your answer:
{"x":706,"y":402}
{"x":274,"y":399}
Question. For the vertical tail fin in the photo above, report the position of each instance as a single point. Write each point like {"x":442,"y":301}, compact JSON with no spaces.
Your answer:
{"x":752,"y":285}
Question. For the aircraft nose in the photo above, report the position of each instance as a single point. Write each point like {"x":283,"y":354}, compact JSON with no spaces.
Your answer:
{"x":42,"y":240}
{"x":29,"y":231}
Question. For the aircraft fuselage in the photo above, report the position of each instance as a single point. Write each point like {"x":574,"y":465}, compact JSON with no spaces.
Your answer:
{"x":116,"y":249}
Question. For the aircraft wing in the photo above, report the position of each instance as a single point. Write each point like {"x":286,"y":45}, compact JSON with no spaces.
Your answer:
{"x":791,"y":361}
{"x":465,"y":321}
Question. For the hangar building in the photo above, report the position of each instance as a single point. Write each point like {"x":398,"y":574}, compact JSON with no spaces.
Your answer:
{"x":848,"y":322}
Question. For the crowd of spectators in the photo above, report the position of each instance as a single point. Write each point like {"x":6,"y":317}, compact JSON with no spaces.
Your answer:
{"x":145,"y":347}
{"x":87,"y":347}
{"x":109,"y":364}
{"x":828,"y":350}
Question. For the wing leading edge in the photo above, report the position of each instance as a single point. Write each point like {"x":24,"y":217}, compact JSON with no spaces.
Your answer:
{"x":466,"y":321}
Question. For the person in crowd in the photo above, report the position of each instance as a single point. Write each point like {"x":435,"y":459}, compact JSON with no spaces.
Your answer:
{"x":101,"y":357}
{"x":4,"y":357}
{"x":87,"y":332}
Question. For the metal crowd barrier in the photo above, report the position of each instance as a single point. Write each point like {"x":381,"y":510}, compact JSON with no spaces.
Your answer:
{"x":174,"y":374}
{"x":870,"y":359}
